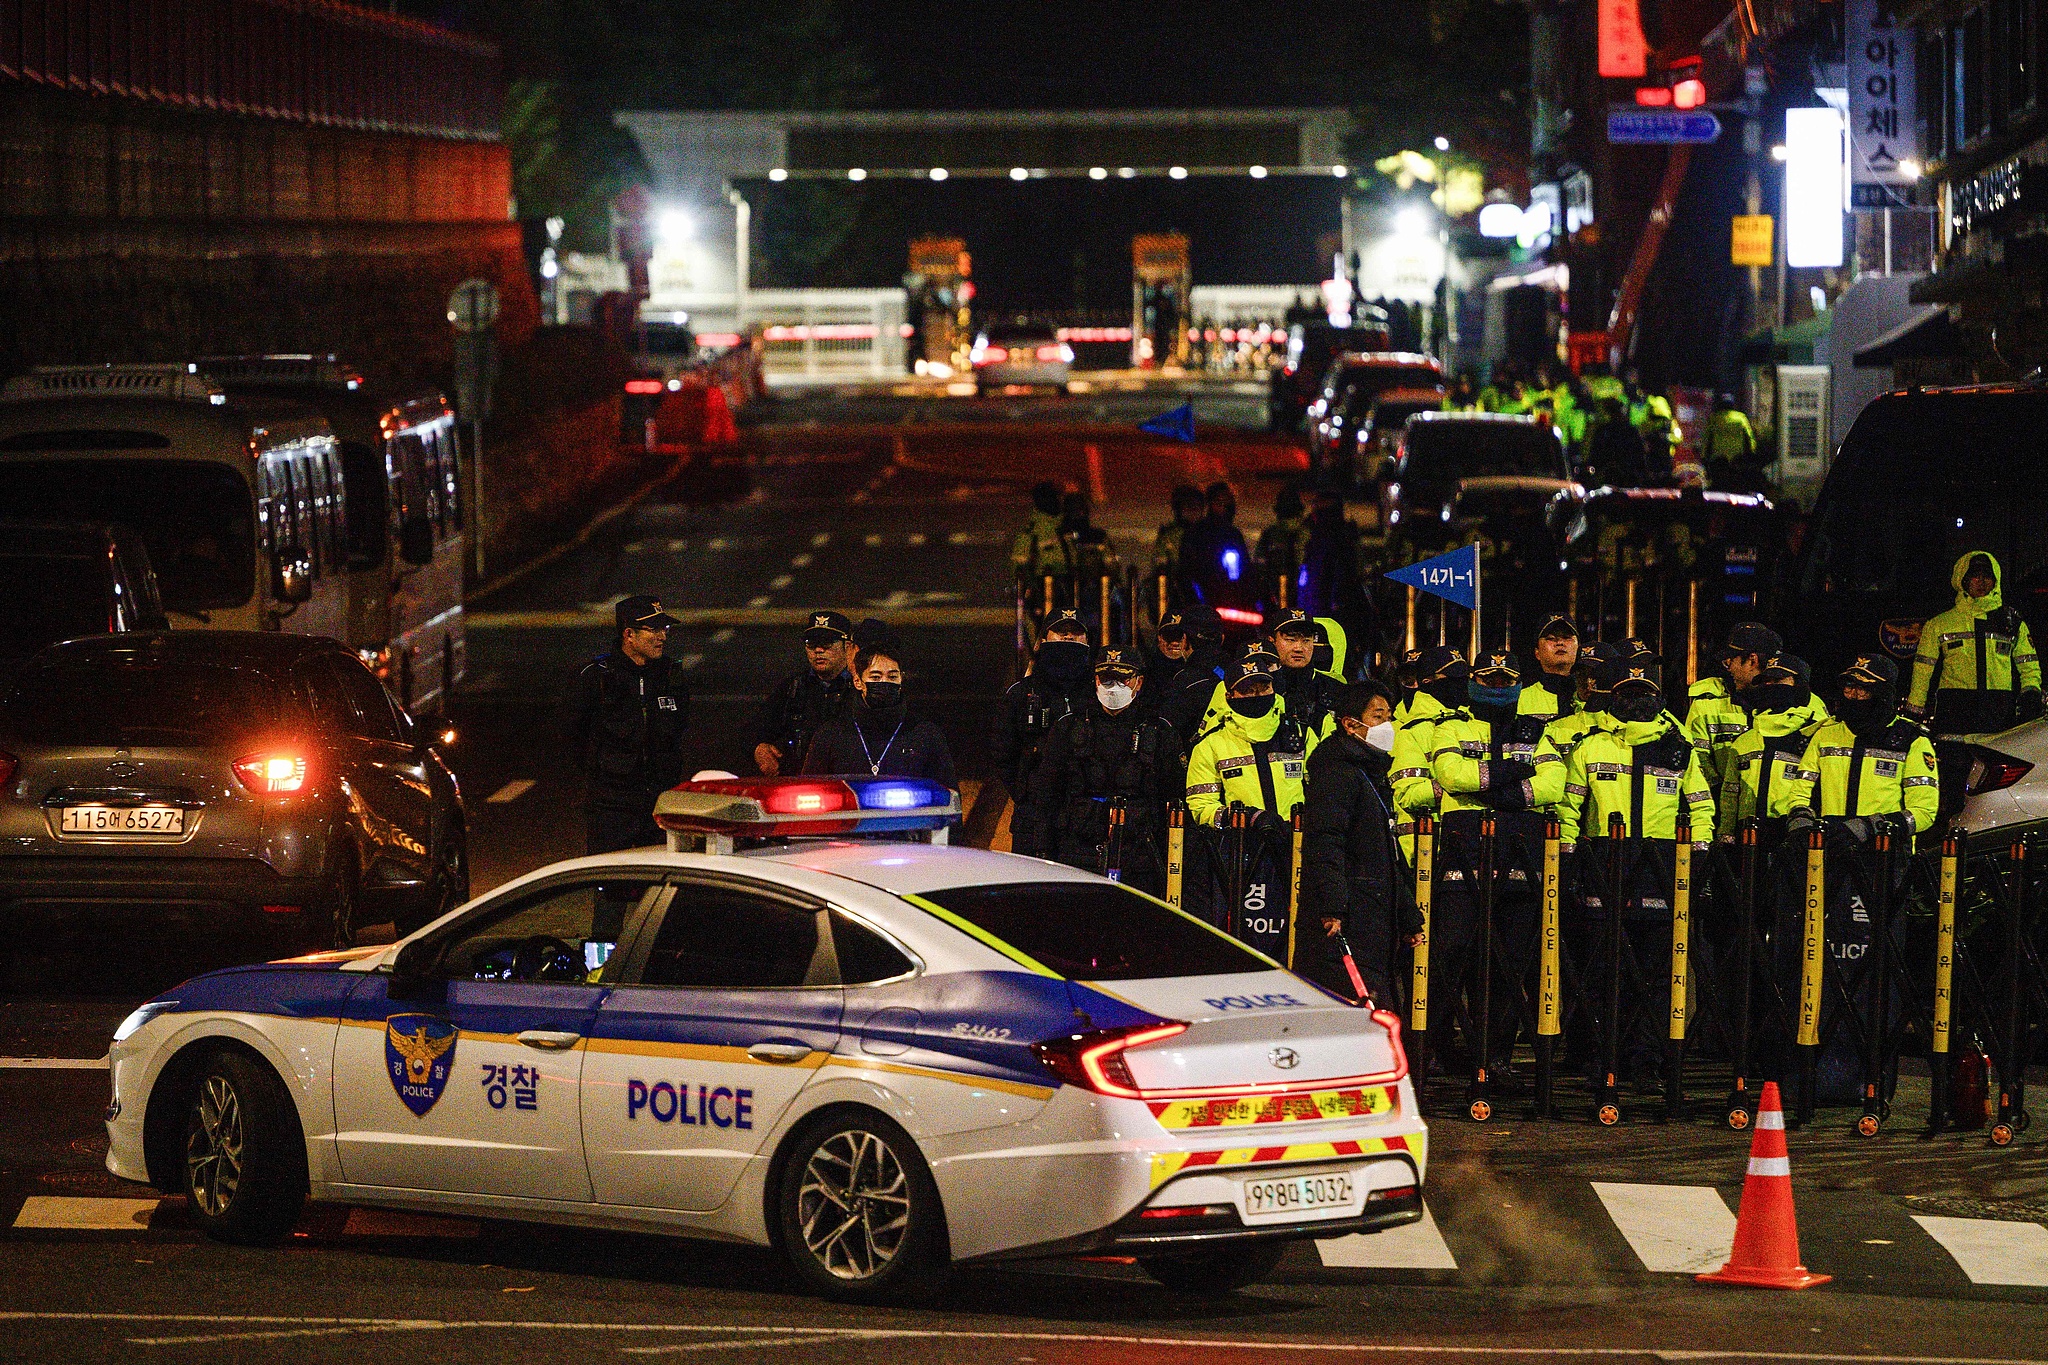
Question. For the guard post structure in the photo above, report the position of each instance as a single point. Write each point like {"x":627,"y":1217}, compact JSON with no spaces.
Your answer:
{"x":1549,"y":1005}
{"x":1812,"y":968}
{"x":1418,"y":999}
{"x":1176,"y":851}
{"x":1681,"y":969}
{"x":1940,"y":1036}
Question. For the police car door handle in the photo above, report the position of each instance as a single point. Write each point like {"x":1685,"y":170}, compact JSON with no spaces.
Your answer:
{"x":774,"y":1051}
{"x":549,"y":1039}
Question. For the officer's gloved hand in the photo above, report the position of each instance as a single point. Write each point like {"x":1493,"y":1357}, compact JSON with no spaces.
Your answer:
{"x":1508,"y":772}
{"x":1798,"y":826}
{"x":1856,"y":830}
{"x":2030,"y":705}
{"x":1899,"y":824}
{"x":1265,"y":822}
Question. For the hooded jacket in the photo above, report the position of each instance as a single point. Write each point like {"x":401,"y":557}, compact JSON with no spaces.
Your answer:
{"x":1889,"y":772}
{"x":1349,"y":868}
{"x":1760,"y":760}
{"x":1415,"y":790}
{"x":1973,"y":660}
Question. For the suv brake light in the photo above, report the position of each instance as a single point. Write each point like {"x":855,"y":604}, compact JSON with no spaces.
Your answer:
{"x":1990,"y":771}
{"x":272,"y":774}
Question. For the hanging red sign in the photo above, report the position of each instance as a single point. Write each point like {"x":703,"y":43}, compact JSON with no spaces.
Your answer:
{"x":1624,"y":55}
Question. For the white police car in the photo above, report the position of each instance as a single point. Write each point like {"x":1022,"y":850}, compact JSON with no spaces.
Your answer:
{"x":880,"y":1057}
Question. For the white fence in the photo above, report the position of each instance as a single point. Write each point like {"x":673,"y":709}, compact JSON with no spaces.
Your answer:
{"x":826,"y":334}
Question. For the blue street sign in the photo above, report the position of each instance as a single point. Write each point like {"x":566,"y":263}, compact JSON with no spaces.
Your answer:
{"x":1179,"y":423}
{"x":1454,"y":575}
{"x":1662,"y":126}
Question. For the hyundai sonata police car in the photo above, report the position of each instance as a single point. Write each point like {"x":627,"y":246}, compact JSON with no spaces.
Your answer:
{"x":880,"y":1056}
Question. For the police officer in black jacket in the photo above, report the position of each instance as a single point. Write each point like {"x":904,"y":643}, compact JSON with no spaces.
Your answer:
{"x":627,"y":718}
{"x":1111,"y":748}
{"x":1193,"y":685}
{"x":807,"y":699}
{"x":1057,"y":684}
{"x":1352,"y":880}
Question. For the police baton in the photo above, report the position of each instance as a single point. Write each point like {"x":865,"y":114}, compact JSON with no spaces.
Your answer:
{"x":1363,"y":995}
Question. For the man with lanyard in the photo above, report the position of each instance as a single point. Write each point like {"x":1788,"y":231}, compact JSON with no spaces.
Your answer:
{"x":1485,"y":763}
{"x":1255,"y":760}
{"x":1976,"y":671}
{"x":1551,"y":692}
{"x":804,"y":701}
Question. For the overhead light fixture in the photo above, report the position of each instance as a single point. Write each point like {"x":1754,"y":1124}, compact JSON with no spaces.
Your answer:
{"x":1178,"y":172}
{"x":938,"y":172}
{"x":1340,"y":171}
{"x":856,"y":174}
{"x":1019,"y":173}
{"x":1098,"y":173}
{"x":778,"y":174}
{"x":1500,"y":220}
{"x":1443,"y":144}
{"x":1258,"y":172}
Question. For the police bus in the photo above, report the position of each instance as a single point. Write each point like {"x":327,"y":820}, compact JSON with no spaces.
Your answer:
{"x":240,"y":504}
{"x":406,"y":514}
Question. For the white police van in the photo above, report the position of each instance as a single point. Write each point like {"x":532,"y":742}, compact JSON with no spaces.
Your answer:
{"x":881,"y":1056}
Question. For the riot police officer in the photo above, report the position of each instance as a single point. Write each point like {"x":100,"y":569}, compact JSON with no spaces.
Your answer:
{"x":1057,"y":683}
{"x":1308,"y":694}
{"x":1550,"y":691}
{"x":627,"y":718}
{"x":1193,"y":685}
{"x":1108,"y":750}
{"x":802,"y":703}
{"x":1976,"y":670}
{"x":1714,"y":717}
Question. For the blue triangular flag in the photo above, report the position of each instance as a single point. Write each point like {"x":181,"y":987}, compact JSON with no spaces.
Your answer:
{"x":1453,"y":575}
{"x":1179,"y":424}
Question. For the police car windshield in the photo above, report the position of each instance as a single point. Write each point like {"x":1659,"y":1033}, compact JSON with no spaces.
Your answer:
{"x":1095,"y":931}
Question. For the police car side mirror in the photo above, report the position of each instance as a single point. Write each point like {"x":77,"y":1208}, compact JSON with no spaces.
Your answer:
{"x":416,"y":971}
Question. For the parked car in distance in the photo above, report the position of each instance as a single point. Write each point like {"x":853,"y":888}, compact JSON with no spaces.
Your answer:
{"x":1377,"y":439}
{"x":63,"y":580}
{"x":253,"y":789}
{"x":1310,"y":348}
{"x":1021,"y":355}
{"x":1352,"y":386}
{"x":1439,"y":449}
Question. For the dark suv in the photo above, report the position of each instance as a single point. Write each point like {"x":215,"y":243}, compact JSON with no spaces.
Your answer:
{"x":219,"y":785}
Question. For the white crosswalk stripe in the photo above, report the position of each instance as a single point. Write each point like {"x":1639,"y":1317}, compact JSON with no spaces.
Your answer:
{"x":1990,"y":1251}
{"x":1680,"y":1229}
{"x":1418,"y":1246}
{"x":71,"y":1214}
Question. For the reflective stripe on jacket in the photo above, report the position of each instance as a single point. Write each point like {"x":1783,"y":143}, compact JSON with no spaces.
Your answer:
{"x":1840,"y":774}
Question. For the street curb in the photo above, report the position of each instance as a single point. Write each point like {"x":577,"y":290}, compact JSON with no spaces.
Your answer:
{"x":590,"y":528}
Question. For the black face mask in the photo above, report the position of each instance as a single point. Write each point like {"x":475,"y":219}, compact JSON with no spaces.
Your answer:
{"x":1252,"y":708}
{"x":1450,"y":691}
{"x":884,"y":696}
{"x":1870,"y":715}
{"x":1064,"y":660}
{"x":1774,"y":697}
{"x":1635,"y":705}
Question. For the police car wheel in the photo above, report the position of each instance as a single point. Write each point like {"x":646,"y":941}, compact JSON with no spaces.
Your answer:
{"x":245,"y":1156}
{"x":860,"y":1214}
{"x":1215,"y":1269}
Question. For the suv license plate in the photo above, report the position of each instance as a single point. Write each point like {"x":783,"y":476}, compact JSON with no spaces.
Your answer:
{"x":166,"y":822}
{"x":1331,"y":1195}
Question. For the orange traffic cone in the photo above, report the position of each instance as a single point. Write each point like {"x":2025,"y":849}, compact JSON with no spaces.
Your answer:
{"x":1766,"y":1250}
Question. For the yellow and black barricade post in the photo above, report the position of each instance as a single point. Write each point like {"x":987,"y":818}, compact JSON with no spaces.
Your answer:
{"x":1176,"y":851}
{"x":1293,"y":887}
{"x":1105,"y":597}
{"x":1478,"y":1098}
{"x":1692,"y":632}
{"x":1940,"y":1037}
{"x":1813,"y":959}
{"x":1740,"y":1110}
{"x":1681,"y":969}
{"x":1876,"y":1104}
{"x":1113,"y":846}
{"x":1629,"y":607}
{"x":1130,"y":636}
{"x":1607,"y":1094}
{"x":1161,"y":595}
{"x":1281,"y":583}
{"x":2011,"y":1119}
{"x":1049,"y":603}
{"x":1549,"y":986}
{"x":1418,"y":999}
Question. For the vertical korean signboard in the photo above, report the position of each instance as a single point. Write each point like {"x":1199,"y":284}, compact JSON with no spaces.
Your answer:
{"x":1884,"y":135}
{"x":1624,"y":55}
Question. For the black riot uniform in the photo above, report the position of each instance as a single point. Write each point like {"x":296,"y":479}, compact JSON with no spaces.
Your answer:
{"x":627,"y":722}
{"x":1057,"y":684}
{"x":1193,"y":686}
{"x":803,"y":703}
{"x":1091,"y":759}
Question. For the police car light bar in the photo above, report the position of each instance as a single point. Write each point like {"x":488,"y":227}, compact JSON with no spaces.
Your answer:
{"x":768,"y":807}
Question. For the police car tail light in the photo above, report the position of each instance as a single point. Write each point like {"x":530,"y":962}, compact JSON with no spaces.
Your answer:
{"x":1990,"y":771}
{"x":1095,"y":1061}
{"x":273,"y":773}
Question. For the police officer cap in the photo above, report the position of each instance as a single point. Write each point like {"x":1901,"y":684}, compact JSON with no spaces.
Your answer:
{"x":1195,"y":620}
{"x":1115,"y":662}
{"x":1558,"y":626}
{"x":827,"y":628}
{"x":1440,"y":664}
{"x":1257,"y":653}
{"x":1635,"y":651}
{"x":1871,"y":670}
{"x":1249,"y":667}
{"x":1635,"y":673}
{"x":1498,"y":668}
{"x":642,"y":611}
{"x":1295,"y":621}
{"x":1065,"y":621}
{"x":1752,"y":637}
{"x":1786,"y":668}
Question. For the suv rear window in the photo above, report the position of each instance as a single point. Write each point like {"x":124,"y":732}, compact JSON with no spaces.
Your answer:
{"x":1095,"y":931}
{"x":1444,"y":452}
{"x":111,"y":702}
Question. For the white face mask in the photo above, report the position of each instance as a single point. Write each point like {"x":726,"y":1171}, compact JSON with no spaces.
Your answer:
{"x":1114,"y":696}
{"x":1381,"y":736}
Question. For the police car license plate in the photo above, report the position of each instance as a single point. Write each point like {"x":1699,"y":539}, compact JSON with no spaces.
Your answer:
{"x":162,"y":822}
{"x":1330,"y":1194}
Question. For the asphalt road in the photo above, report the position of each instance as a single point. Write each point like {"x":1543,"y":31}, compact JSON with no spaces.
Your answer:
{"x":1545,"y":1240}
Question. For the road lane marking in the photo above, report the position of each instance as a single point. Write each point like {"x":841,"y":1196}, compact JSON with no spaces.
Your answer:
{"x":821,"y":540}
{"x":510,"y":792}
{"x":53,"y":1063}
{"x":70,"y":1214}
{"x":914,"y":538}
{"x":1224,"y":1344}
{"x":721,"y":635}
{"x":957,"y":538}
{"x":634,"y":547}
{"x":800,"y":562}
{"x":1413,"y":1246}
{"x":756,"y":614}
{"x":1991,"y":1251}
{"x":760,"y":601}
{"x":780,"y":581}
{"x":676,"y":547}
{"x":1676,"y":1229}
